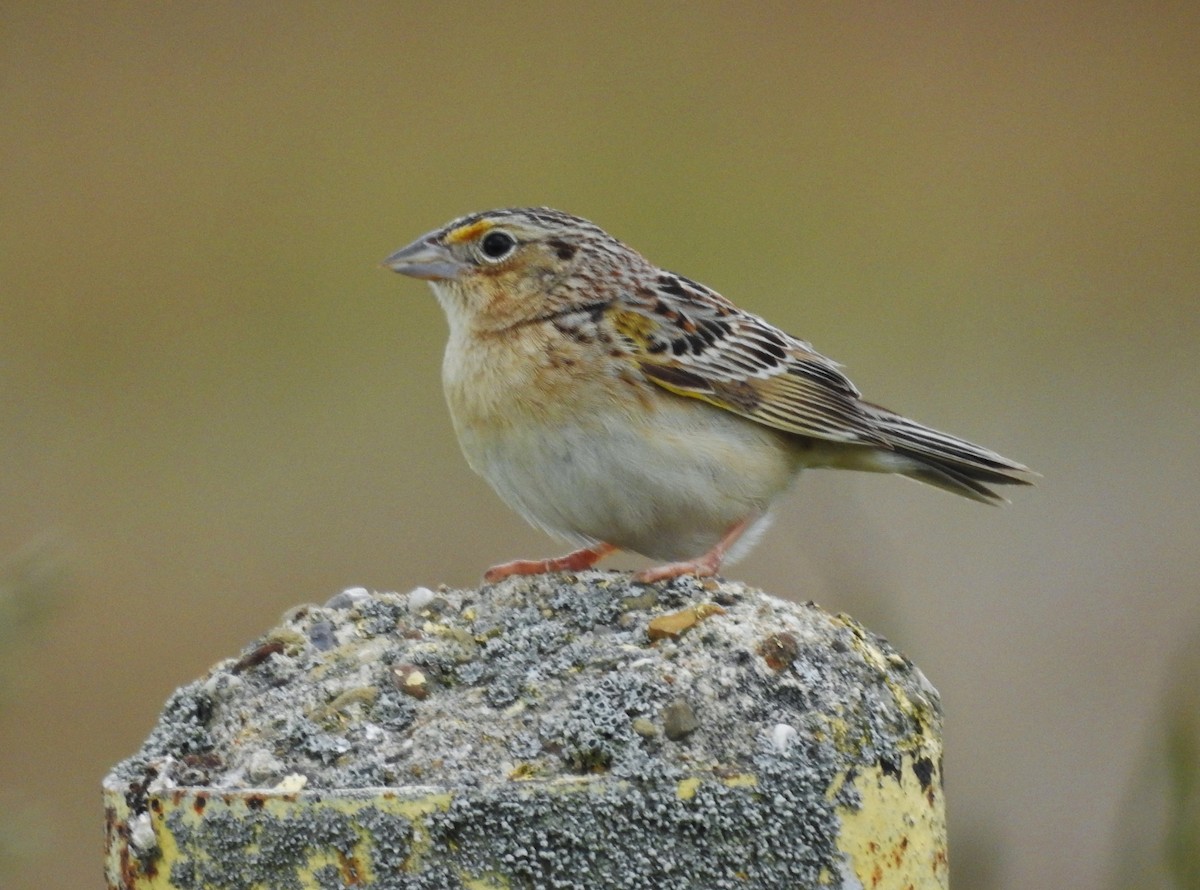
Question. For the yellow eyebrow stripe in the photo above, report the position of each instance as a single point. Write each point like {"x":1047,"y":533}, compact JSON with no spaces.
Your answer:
{"x":468,"y":232}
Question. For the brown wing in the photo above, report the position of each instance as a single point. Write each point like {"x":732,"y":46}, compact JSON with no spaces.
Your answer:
{"x":695,"y":343}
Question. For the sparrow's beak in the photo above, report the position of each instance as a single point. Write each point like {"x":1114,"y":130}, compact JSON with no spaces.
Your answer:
{"x":426,"y":259}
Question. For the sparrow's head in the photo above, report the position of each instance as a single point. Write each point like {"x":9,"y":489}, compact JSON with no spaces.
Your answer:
{"x":503,"y":267}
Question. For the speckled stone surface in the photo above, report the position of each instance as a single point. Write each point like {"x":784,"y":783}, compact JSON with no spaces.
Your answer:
{"x":559,"y":732}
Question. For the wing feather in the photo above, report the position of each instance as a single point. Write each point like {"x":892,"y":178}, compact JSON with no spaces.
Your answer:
{"x":695,"y":343}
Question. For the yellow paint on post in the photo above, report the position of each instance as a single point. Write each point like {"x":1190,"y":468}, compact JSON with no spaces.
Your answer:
{"x":258,"y":819}
{"x":896,"y":839}
{"x":892,"y":838}
{"x":686,"y":789}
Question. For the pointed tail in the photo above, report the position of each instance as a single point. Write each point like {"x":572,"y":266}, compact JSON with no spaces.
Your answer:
{"x":946,"y":461}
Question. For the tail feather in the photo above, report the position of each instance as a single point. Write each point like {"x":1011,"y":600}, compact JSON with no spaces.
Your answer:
{"x":949,"y":462}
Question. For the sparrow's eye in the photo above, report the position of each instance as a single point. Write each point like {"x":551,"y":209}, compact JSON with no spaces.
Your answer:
{"x":496,"y":245}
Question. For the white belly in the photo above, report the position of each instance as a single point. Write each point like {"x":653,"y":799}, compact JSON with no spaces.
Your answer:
{"x":667,"y":485}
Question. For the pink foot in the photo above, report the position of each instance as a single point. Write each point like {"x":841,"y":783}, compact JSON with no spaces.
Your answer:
{"x":573,"y":562}
{"x":701,"y":566}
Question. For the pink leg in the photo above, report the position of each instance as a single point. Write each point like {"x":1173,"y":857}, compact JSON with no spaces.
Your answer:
{"x":572,"y":562}
{"x":701,"y":566}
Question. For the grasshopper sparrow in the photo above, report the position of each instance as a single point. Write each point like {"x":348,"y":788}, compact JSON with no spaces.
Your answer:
{"x":621,"y":406}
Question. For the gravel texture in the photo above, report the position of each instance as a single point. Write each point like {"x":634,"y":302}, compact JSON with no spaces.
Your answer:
{"x":714,"y":729}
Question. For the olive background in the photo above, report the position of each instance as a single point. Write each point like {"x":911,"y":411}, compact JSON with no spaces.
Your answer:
{"x":215,"y":405}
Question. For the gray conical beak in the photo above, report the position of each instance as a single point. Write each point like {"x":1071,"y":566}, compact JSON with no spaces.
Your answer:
{"x":426,"y":259}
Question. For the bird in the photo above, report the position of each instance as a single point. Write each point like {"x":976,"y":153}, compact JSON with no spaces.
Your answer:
{"x":620,"y":406}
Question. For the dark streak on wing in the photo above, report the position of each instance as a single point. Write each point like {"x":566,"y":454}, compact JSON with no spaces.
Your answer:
{"x":674,"y":376}
{"x":741,"y":363}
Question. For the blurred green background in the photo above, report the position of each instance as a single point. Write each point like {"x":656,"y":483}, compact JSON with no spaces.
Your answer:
{"x":215,"y":405}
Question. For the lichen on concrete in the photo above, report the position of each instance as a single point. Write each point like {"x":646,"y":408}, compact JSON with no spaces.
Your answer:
{"x":554,"y":731}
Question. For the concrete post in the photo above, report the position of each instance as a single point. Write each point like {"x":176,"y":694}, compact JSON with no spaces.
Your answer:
{"x":548,"y":732}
